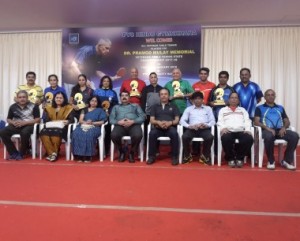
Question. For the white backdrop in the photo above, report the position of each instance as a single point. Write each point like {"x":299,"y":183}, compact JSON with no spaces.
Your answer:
{"x":272,"y":54}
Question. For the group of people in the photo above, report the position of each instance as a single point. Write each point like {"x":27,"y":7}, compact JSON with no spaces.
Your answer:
{"x":196,"y":107}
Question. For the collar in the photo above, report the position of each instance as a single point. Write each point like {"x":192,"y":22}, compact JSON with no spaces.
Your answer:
{"x":266,"y":105}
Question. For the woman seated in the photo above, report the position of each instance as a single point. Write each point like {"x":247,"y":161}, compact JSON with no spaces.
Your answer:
{"x":85,"y":135}
{"x":57,"y":117}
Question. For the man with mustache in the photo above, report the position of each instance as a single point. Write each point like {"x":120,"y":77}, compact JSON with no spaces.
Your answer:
{"x":127,"y":118}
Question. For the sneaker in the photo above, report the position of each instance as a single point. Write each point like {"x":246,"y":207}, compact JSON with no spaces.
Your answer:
{"x":271,"y":166}
{"x":287,"y":165}
{"x":15,"y":156}
{"x":187,"y":159}
{"x":231,"y":163}
{"x":204,"y":160}
{"x":53,"y":157}
{"x":239,"y":163}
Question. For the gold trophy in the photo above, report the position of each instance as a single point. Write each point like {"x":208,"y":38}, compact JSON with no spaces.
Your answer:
{"x":219,"y":97}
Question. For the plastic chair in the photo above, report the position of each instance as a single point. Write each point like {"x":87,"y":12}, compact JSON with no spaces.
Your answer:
{"x":67,"y":142}
{"x":162,"y":138}
{"x":126,"y":139}
{"x":279,"y":142}
{"x":198,"y":139}
{"x":33,"y":138}
{"x":236,"y":141}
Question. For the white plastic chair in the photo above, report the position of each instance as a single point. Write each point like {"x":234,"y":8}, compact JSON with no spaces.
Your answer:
{"x":279,"y":142}
{"x":33,"y":138}
{"x":198,"y":139}
{"x":236,"y":141}
{"x":162,"y":138}
{"x":100,"y":143}
{"x":67,"y":142}
{"x":127,"y":138}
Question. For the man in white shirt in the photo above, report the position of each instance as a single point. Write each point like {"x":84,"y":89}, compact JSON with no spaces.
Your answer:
{"x":234,"y":123}
{"x":198,"y":120}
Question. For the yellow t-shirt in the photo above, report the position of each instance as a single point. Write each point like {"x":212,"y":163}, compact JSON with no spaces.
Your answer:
{"x":34,"y":93}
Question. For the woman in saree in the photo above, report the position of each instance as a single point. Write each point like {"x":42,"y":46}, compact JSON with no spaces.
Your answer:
{"x":57,"y":117}
{"x":85,"y":135}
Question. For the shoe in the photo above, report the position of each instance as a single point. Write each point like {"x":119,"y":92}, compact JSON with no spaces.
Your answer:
{"x":239,"y":163}
{"x":122,"y":156}
{"x":287,"y":165}
{"x":187,"y":159}
{"x":15,"y":156}
{"x":131,"y":157}
{"x":53,"y":157}
{"x":271,"y":166}
{"x":231,"y":163}
{"x":150,"y":161}
{"x":204,"y":160}
{"x":175,"y":161}
{"x":48,"y":158}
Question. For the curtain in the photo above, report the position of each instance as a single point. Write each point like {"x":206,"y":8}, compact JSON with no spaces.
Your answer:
{"x":272,"y":54}
{"x":22,"y":52}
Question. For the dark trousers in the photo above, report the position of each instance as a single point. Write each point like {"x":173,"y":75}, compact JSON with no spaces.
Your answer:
{"x":234,"y":151}
{"x":107,"y":138}
{"x":134,"y":131}
{"x":189,"y":134}
{"x":25,"y":133}
{"x":292,"y":140}
{"x":157,"y":132}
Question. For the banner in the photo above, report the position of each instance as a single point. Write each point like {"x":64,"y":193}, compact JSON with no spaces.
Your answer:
{"x":114,"y":51}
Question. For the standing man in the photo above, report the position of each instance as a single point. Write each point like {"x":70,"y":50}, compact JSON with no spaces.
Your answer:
{"x":35,"y":92}
{"x":219,"y":95}
{"x":198,"y":120}
{"x":149,"y":98}
{"x":204,"y":85}
{"x":134,"y":86}
{"x":249,"y":92}
{"x":274,"y":122}
{"x":164,"y":118}
{"x":21,"y":118}
{"x":127,"y":118}
{"x":180,"y":90}
{"x":234,"y":123}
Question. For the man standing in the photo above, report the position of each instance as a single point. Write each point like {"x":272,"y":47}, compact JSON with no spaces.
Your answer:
{"x":249,"y":92}
{"x":149,"y":98}
{"x":274,"y":122}
{"x":219,"y":95}
{"x":179,"y":90}
{"x":134,"y":86}
{"x":127,"y":118}
{"x":164,"y":118}
{"x":234,"y":123}
{"x":35,"y":92}
{"x":21,"y":118}
{"x":204,"y":85}
{"x":198,"y":119}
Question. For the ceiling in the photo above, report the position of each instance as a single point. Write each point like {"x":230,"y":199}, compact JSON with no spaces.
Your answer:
{"x":56,"y":14}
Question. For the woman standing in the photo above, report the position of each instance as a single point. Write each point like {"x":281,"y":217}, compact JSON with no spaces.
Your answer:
{"x":108,"y":98}
{"x":80,"y":95}
{"x":85,"y":135}
{"x":57,"y":117}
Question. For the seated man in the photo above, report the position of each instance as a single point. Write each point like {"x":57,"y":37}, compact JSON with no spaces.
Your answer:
{"x":164,"y":118}
{"x":234,"y":123}
{"x":274,"y":123}
{"x":127,"y":119}
{"x":198,"y":119}
{"x":21,"y":118}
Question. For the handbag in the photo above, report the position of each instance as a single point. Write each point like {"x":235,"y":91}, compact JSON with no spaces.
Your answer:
{"x":55,"y":124}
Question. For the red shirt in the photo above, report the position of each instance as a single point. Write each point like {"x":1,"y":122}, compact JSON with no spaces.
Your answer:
{"x":205,"y":88}
{"x":134,"y":87}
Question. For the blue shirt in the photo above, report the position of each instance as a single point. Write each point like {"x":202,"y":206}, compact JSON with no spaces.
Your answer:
{"x":248,"y":95}
{"x":49,"y":93}
{"x":107,"y":97}
{"x":197,"y":115}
